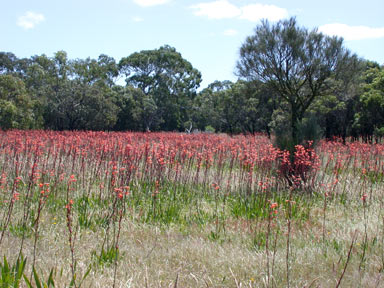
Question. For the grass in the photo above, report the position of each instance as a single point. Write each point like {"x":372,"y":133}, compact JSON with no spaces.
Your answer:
{"x":178,"y":225}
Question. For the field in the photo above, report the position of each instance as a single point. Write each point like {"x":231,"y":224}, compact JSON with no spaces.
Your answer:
{"x":97,"y":209}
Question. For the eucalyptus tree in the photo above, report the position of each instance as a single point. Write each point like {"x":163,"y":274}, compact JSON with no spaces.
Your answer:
{"x":8,"y":62}
{"x":336,"y":110}
{"x":207,"y":107}
{"x":369,"y":119}
{"x":104,"y":70}
{"x":16,"y":107}
{"x":168,"y":81}
{"x":74,"y":94}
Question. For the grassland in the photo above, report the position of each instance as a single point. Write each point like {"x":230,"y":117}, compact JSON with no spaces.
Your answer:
{"x":87,"y":209}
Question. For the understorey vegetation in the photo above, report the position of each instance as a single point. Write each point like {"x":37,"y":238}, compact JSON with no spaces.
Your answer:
{"x":118,"y":209}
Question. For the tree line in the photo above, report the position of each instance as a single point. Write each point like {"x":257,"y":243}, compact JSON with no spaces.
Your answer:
{"x":291,"y":81}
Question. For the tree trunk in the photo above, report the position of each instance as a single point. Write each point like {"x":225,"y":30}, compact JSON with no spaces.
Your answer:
{"x":294,"y":133}
{"x":327,"y":128}
{"x":294,"y":121}
{"x":268,"y":131}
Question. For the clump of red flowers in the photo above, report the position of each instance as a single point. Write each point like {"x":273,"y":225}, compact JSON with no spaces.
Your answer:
{"x":300,"y":170}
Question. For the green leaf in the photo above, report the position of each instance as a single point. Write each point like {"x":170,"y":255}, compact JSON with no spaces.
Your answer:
{"x":19,"y":269}
{"x":27,"y":281}
{"x":37,"y":280}
{"x":6,"y":266}
{"x":85,"y":276}
{"x":72,"y":281}
{"x":50,"y":279}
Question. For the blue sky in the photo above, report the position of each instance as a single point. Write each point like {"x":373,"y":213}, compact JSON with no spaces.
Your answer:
{"x":207,"y":33}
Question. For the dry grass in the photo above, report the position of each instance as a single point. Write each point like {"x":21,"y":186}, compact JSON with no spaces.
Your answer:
{"x":153,"y":256}
{"x":190,"y":235}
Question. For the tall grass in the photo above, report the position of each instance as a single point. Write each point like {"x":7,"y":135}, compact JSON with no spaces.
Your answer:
{"x":101,"y":209}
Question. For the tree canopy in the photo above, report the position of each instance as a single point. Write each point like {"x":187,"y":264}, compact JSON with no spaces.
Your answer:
{"x":168,"y":81}
{"x":292,"y":82}
{"x":296,"y":62}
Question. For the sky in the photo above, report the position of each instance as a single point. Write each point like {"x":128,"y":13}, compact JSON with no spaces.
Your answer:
{"x":207,"y":33}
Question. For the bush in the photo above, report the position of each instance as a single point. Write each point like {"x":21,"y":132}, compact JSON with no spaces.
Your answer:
{"x":300,"y":173}
{"x":299,"y":162}
{"x":209,"y":129}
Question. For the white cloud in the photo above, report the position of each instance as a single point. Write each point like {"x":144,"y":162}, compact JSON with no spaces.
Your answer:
{"x":30,"y":19}
{"x":216,"y":10}
{"x":254,"y":12}
{"x":352,"y":32}
{"x":137,"y":19}
{"x":230,"y":32}
{"x":147,"y":3}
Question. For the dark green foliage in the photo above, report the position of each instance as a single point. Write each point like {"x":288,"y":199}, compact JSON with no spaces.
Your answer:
{"x":369,"y":119}
{"x":295,"y":62}
{"x":38,"y":282}
{"x":241,"y":107}
{"x":317,"y":77}
{"x":16,"y":106}
{"x":169,"y":83}
{"x":10,"y":276}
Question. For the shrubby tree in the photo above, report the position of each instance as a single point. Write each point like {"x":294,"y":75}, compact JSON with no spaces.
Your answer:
{"x":296,"y":62}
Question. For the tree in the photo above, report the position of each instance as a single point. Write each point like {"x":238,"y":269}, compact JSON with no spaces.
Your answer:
{"x":294,"y":61}
{"x":91,"y":71}
{"x":235,"y":107}
{"x":73,"y":94}
{"x":16,"y":107}
{"x":81,"y":96}
{"x":138,"y":112}
{"x":231,"y":103}
{"x":208,"y":107}
{"x":336,"y":110}
{"x":8,"y":62}
{"x":370,"y":116}
{"x":168,"y":79}
{"x":259,"y":102}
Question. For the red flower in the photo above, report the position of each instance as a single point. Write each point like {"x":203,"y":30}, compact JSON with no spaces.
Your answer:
{"x":273,"y":205}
